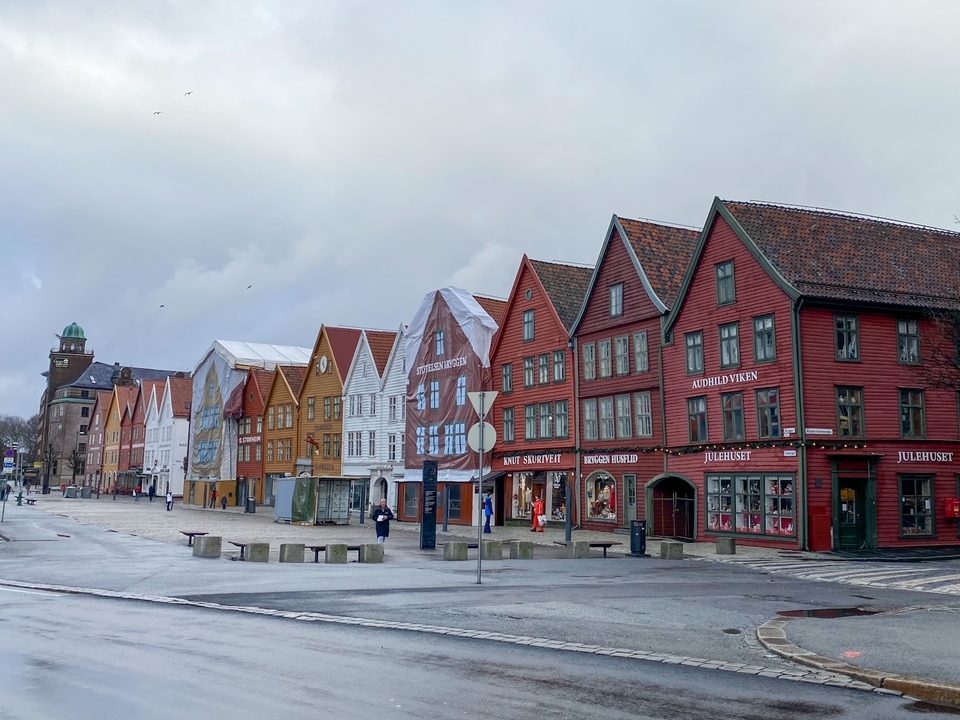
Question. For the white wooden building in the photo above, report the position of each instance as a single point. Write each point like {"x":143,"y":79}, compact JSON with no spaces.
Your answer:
{"x":164,"y":455}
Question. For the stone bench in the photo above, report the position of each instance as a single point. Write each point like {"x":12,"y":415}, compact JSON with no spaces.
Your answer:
{"x":455,"y":551}
{"x":207,"y":546}
{"x":671,"y":550}
{"x":292,"y":552}
{"x":371,"y":553}
{"x":726,"y":546}
{"x":491,"y":550}
{"x":521,"y":550}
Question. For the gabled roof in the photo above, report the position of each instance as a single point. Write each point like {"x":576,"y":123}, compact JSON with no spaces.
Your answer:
{"x":660,"y":253}
{"x":397,"y":349}
{"x":143,"y":394}
{"x":126,"y":397}
{"x":837,"y":256}
{"x":237,"y":353}
{"x":495,"y":307}
{"x":565,"y":285}
{"x":261,"y":380}
{"x":475,"y":322}
{"x":343,"y":344}
{"x":381,"y":342}
{"x":293,"y":375}
{"x":181,"y":396}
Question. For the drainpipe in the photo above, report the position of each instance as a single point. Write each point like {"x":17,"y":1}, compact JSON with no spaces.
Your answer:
{"x":803,"y":517}
{"x":574,"y":345}
{"x":663,"y":398}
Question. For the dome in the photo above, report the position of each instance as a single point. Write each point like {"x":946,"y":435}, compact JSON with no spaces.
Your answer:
{"x":73,"y":331}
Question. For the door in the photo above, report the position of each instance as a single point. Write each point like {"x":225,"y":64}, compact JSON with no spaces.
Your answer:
{"x":851,"y":510}
{"x":630,"y":488}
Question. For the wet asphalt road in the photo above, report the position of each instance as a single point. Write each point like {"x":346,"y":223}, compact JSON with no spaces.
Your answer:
{"x":66,"y":657}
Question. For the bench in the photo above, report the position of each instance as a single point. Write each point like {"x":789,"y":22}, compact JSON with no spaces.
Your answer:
{"x":243,"y":549}
{"x":31,"y":501}
{"x":605,"y":545}
{"x":191,"y":535}
{"x":317,"y":549}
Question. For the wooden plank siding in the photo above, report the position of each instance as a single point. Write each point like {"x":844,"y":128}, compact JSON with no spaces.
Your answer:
{"x":282,"y":432}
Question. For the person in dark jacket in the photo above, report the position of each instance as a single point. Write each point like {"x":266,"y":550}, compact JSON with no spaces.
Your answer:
{"x":382,"y":515}
{"x":487,"y":511}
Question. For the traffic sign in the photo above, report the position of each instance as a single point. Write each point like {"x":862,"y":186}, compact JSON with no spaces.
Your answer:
{"x":482,"y":399}
{"x":489,"y":436}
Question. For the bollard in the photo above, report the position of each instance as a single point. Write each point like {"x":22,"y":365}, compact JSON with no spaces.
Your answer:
{"x":670,"y":550}
{"x":335,"y":553}
{"x":291,"y":552}
{"x":371,"y":553}
{"x":207,"y":546}
{"x":455,"y":551}
{"x":258,"y":552}
{"x":491,"y":550}
{"x":726,"y":546}
{"x":521,"y":550}
{"x":578,"y":550}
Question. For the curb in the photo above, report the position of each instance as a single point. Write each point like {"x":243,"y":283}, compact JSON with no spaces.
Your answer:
{"x":772,"y":635}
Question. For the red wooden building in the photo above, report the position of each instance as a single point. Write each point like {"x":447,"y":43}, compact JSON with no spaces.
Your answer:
{"x":535,"y":413}
{"x":805,"y":400}
{"x":617,"y":344}
{"x":126,"y":396}
{"x":250,"y":435}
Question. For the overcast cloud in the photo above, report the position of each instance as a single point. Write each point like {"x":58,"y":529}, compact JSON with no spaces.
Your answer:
{"x":345,"y":158}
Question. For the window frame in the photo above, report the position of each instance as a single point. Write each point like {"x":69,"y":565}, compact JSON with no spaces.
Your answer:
{"x":723,"y":281}
{"x":616,"y":300}
{"x":729,"y":343}
{"x":565,"y":414}
{"x":589,"y":363}
{"x":530,"y":420}
{"x":529,"y":325}
{"x":625,"y":355}
{"x":543,"y":369}
{"x":693,"y":341}
{"x":848,"y":333}
{"x":506,"y":378}
{"x":608,"y":344}
{"x":639,"y":419}
{"x":763,"y":414}
{"x":441,"y":343}
{"x":908,"y":406}
{"x":758,"y":333}
{"x":931,"y":514}
{"x":623,"y":422}
{"x":611,"y":418}
{"x":861,"y":405}
{"x":509,"y":424}
{"x":595,"y":419}
{"x":696,"y":413}
{"x":729,"y":415}
{"x":915,"y":336}
{"x":559,"y":366}
{"x":529,"y":371}
{"x":638,"y":366}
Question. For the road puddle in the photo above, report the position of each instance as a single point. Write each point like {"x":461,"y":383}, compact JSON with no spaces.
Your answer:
{"x":827,"y":613}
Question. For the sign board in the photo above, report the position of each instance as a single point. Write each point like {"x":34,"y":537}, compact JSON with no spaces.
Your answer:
{"x":474,"y":436}
{"x":428,"y":523}
{"x":484,"y":398}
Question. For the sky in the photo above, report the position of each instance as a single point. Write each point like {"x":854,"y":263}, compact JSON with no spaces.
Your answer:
{"x":345,"y":158}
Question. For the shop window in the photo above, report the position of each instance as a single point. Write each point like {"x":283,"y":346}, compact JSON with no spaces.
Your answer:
{"x":847,"y":337}
{"x":462,"y":390}
{"x":641,"y":359}
{"x":623,"y":355}
{"x":558,"y":496}
{"x":589,"y":361}
{"x":411,"y":500}
{"x":544,"y":369}
{"x":528,"y":372}
{"x":616,"y":300}
{"x":561,"y":419}
{"x":607,"y":430}
{"x":768,"y":413}
{"x":694,"y":343}
{"x":601,"y":497}
{"x":764,"y":339}
{"x":590,"y":425}
{"x":434,"y":394}
{"x":530,"y":425}
{"x":726,"y":286}
{"x":850,"y":411}
{"x":522,"y":501}
{"x":912,"y":420}
{"x":732,"y":408}
{"x":454,"y":499}
{"x":506,"y":373}
{"x":559,"y":365}
{"x":908,"y":341}
{"x":624,"y":420}
{"x":509,"y":425}
{"x":697,"y":418}
{"x":729,"y":345}
{"x":755,"y":504}
{"x":916,"y":505}
{"x":529,"y":328}
{"x":643,"y":414}
{"x":606,"y":359}
{"x":441,"y":343}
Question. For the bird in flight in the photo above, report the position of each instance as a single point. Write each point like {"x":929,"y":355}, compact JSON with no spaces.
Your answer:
{"x":163,"y":306}
{"x":189,"y":92}
{"x":249,"y":286}
{"x":158,"y":112}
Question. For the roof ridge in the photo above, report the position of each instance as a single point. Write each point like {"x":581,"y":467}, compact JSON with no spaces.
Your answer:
{"x":813,"y":209}
{"x":662,"y":223}
{"x":565,"y":263}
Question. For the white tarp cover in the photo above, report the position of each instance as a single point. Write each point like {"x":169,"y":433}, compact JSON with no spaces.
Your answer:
{"x":476,"y":323}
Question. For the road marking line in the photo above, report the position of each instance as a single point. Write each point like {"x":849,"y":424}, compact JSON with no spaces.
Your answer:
{"x":44,"y":593}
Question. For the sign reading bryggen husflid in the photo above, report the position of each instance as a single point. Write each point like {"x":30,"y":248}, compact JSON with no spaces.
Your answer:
{"x":448,"y":355}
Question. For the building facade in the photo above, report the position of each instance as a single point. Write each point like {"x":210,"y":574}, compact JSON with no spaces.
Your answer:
{"x":282,"y":416}
{"x":95,"y":439}
{"x":250,"y":455}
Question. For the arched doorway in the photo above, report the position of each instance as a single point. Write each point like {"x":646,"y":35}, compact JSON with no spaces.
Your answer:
{"x":672,"y":506}
{"x":381,"y":486}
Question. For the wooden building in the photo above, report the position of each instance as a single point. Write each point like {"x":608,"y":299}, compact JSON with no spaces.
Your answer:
{"x":250,"y":453}
{"x":95,"y":438}
{"x":282,"y":414}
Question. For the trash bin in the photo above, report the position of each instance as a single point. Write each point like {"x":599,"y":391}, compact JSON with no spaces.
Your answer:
{"x":251,"y":505}
{"x":84,"y":492}
{"x":638,"y":538}
{"x":70,"y":491}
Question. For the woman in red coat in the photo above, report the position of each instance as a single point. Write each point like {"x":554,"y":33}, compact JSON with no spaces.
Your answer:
{"x":537,"y":513}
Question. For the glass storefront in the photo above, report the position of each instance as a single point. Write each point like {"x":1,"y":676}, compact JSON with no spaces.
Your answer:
{"x":758,"y":504}
{"x":601,"y":497}
{"x":558,"y":495}
{"x":551,"y":487}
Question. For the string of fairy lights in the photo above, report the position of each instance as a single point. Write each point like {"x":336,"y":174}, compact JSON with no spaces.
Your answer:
{"x":704,"y":447}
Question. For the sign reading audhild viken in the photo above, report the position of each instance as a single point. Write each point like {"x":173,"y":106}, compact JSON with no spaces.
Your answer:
{"x":729,"y":379}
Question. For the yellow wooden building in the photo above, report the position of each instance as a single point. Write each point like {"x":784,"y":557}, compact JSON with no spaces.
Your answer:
{"x":280,"y":425}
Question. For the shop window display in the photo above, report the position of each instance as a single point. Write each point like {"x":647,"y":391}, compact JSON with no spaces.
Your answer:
{"x":753,"y":504}
{"x":602,"y":497}
{"x":558,"y":504}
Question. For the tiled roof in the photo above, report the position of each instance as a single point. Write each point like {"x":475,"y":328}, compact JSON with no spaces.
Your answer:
{"x":98,"y":376}
{"x":835,"y":256}
{"x":381,"y":343}
{"x":664,"y":252}
{"x":263,"y":378}
{"x":495,"y":307}
{"x":295,"y":375}
{"x":343,"y":344}
{"x":181,"y":395}
{"x":566,"y":286}
{"x":126,"y":396}
{"x":145,"y":389}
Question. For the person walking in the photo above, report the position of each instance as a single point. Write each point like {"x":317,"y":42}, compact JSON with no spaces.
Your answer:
{"x":151,"y":492}
{"x":114,"y":491}
{"x":136,"y":497}
{"x":382,"y":515}
{"x":538,"y":518}
{"x":487,"y":512}
{"x":169,"y":500}
{"x":223,"y":502}
{"x":213,"y":498}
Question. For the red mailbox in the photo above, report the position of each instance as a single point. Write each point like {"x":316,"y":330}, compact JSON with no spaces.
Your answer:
{"x":952,"y":507}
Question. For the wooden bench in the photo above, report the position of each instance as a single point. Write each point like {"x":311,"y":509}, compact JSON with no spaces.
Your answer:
{"x":31,"y":501}
{"x":317,"y":549}
{"x":605,"y":545}
{"x":191,"y":535}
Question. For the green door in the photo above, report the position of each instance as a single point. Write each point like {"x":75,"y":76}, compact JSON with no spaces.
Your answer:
{"x":630,"y":481}
{"x":851,"y":507}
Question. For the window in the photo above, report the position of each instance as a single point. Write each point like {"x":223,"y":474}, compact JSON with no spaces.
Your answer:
{"x":337,"y":408}
{"x":697,"y":416}
{"x":507,"y":373}
{"x":601,"y":497}
{"x":624,"y":419}
{"x":561,"y":419}
{"x":373,"y":404}
{"x":916,"y":505}
{"x":623,"y":355}
{"x":850,"y":411}
{"x":411,"y":500}
{"x":912,"y":421}
{"x":530,"y":422}
{"x":372,"y":443}
{"x":768,"y":413}
{"x":908,"y":341}
{"x":731,"y":405}
{"x":433,"y":434}
{"x":590,"y":420}
{"x":311,"y":408}
{"x":455,"y":438}
{"x":643,"y":414}
{"x":544,"y":369}
{"x":393,"y":408}
{"x":848,"y":343}
{"x":589,"y":361}
{"x":356,"y":405}
{"x":750,"y":503}
{"x":270,"y":451}
{"x":528,"y":376}
{"x":453,"y":499}
{"x":84,"y":412}
{"x":271,"y":421}
{"x":546,"y":420}
{"x":764,"y":339}
{"x":421,"y":397}
{"x":726,"y":287}
{"x":529,"y":330}
{"x":354,"y":444}
{"x":606,"y":419}
{"x":289,"y":414}
{"x":337,"y":441}
{"x":509,"y":425}
{"x":327,"y":408}
{"x":462,"y":390}
{"x":559,"y":365}
{"x":434,"y":394}
{"x":729,"y":345}
{"x":694,"y":342}
{"x":258,"y":452}
{"x":606,"y":361}
{"x":392,"y":447}
{"x":421,"y":441}
{"x":641,"y":360}
{"x":440,"y":343}
{"x":616,"y":300}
